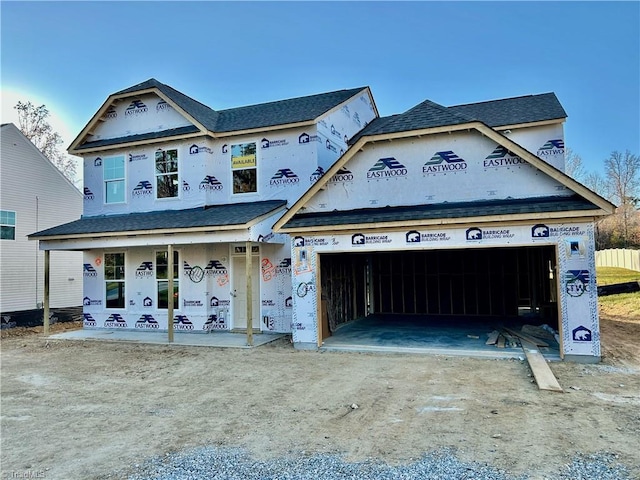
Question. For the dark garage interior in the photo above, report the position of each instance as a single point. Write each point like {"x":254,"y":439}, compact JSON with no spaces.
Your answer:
{"x":481,"y":287}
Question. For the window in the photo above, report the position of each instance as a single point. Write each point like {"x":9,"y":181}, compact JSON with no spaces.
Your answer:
{"x":113,"y":174}
{"x":244,"y":168}
{"x":7,"y":225}
{"x":162,"y":270}
{"x":167,"y":173}
{"x":114,"y":279}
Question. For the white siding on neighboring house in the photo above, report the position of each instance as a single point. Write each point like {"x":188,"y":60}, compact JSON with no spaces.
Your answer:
{"x":41,"y":197}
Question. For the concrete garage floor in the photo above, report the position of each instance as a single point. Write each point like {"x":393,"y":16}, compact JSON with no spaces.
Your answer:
{"x":443,"y":335}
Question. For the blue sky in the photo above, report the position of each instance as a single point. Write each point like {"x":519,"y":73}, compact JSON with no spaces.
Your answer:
{"x":72,"y":55}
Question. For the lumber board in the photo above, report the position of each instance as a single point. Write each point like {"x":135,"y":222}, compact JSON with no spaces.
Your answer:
{"x":501,"y":341}
{"x":528,"y":338}
{"x":493,"y":338}
{"x":545,"y":378}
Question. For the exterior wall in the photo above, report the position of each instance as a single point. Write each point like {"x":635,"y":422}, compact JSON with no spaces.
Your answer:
{"x":42,"y":197}
{"x":136,"y":115}
{"x":204,"y":306}
{"x":287,"y":161}
{"x":547,"y":142}
{"x":574,"y":243}
{"x":456,"y":167}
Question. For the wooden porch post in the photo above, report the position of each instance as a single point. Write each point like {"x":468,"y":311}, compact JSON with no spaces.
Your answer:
{"x":248,"y":269}
{"x":45,"y":320}
{"x":170,"y":292}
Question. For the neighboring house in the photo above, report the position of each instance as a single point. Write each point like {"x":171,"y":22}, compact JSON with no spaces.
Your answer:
{"x":34,"y":195}
{"x":329,"y":213}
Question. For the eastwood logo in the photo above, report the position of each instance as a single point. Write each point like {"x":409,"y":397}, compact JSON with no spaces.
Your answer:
{"x":89,"y":271}
{"x":210,"y":183}
{"x":145,"y":270}
{"x":140,"y":156}
{"x":88,"y":194}
{"x":148,"y":322}
{"x":88,"y":320}
{"x":265,"y":143}
{"x":540,"y":231}
{"x":356,"y":118}
{"x":111,"y":112}
{"x":316,"y":175}
{"x":414,"y":236}
{"x":342,"y":175}
{"x":581,"y":334}
{"x":147,"y":302}
{"x":144,"y":187}
{"x":346,"y":111}
{"x":387,"y":167}
{"x":214,"y":323}
{"x":443,"y":162}
{"x":86,"y":301}
{"x":115,"y":320}
{"x":215,"y":268}
{"x":284,"y":267}
{"x":284,"y":176}
{"x":195,"y":149}
{"x":360,"y":239}
{"x":163,"y":106}
{"x":552,"y":147}
{"x":135,"y":108}
{"x":576,"y":282}
{"x":181,"y":322}
{"x":501,"y":157}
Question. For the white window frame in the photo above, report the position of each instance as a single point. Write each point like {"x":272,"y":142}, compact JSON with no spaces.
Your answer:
{"x":5,"y":223}
{"x":122,"y":179}
{"x":176,"y":279}
{"x":233,"y":187}
{"x":156,"y":175}
{"x":116,"y":279}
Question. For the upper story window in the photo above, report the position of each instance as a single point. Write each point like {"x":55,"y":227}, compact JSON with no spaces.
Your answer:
{"x":7,"y":225}
{"x":167,"y":173}
{"x":244,"y":168}
{"x":113,"y":175}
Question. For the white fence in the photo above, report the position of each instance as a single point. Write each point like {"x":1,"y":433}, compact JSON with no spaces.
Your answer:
{"x":618,"y":257}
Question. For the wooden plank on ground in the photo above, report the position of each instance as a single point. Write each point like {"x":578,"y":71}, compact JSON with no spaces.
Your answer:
{"x":500,"y":342}
{"x":545,"y":378}
{"x":493,"y":338}
{"x":528,"y":338}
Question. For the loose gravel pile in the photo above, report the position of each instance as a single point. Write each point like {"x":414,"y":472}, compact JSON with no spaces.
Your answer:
{"x":235,"y":464}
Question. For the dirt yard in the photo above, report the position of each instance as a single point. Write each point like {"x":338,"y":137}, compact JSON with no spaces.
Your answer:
{"x":91,"y":410}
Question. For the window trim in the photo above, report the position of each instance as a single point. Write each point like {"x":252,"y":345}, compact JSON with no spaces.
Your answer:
{"x":123,"y":179}
{"x":122,"y":280}
{"x":176,"y":280}
{"x":255,"y":167}
{"x":156,"y":175}
{"x":9,"y":225}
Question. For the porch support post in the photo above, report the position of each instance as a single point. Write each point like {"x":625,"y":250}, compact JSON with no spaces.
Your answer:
{"x":45,"y":320}
{"x":248,"y":258}
{"x":170,"y":292}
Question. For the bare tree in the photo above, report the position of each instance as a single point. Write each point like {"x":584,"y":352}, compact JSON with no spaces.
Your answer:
{"x":33,"y":123}
{"x":573,"y":165}
{"x":623,"y":179}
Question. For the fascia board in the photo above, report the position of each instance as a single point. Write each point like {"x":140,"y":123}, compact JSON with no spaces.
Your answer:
{"x":509,"y":219}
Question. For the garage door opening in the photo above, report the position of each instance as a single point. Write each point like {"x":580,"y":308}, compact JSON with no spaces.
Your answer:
{"x":470,"y":288}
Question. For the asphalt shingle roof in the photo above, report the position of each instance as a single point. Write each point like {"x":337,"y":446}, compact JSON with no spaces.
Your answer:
{"x":440,"y":211}
{"x":269,"y":114}
{"x":139,"y":137}
{"x":512,"y":111}
{"x":210,"y":216}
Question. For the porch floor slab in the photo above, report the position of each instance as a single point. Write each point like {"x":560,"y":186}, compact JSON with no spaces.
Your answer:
{"x":440,"y":335}
{"x":215,"y":339}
